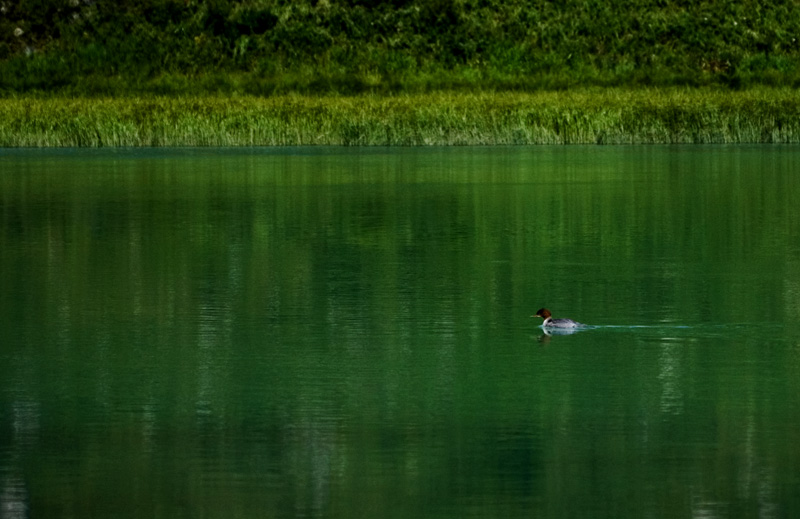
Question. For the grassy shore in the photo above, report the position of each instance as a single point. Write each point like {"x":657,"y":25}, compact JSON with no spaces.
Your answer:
{"x":603,"y":116}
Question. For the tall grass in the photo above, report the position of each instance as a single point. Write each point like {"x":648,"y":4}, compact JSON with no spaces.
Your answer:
{"x":603,"y":116}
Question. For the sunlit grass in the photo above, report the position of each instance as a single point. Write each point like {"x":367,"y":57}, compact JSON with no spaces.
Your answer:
{"x":586,"y":116}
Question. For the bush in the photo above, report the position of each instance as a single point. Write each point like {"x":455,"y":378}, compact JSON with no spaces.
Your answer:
{"x":351,"y":45}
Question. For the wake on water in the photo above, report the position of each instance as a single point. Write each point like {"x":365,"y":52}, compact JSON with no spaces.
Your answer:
{"x":668,"y":330}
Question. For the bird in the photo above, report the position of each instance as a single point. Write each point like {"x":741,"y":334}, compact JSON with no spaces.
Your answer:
{"x":549,"y":322}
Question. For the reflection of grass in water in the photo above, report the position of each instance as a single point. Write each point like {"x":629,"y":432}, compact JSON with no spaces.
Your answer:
{"x":589,"y":116}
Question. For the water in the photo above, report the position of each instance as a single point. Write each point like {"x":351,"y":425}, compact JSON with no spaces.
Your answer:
{"x":347,"y":333}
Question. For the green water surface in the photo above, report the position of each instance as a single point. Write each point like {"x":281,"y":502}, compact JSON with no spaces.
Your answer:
{"x":329,"y":332}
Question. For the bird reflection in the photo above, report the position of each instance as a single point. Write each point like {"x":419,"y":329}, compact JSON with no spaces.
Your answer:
{"x":548,"y":333}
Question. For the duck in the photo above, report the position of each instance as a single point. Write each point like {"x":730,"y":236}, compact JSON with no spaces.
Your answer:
{"x":549,"y":322}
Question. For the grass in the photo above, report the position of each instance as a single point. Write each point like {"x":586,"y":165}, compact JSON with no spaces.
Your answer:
{"x":603,"y":116}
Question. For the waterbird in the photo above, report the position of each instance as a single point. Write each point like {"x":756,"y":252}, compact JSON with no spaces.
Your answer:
{"x":549,"y":322}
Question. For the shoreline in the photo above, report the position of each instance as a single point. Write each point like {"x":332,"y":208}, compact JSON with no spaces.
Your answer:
{"x":590,"y":116}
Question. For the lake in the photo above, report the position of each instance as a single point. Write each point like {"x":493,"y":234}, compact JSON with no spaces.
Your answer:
{"x":336,"y":332}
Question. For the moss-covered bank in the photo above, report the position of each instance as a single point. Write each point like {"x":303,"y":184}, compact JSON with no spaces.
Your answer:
{"x":603,"y":116}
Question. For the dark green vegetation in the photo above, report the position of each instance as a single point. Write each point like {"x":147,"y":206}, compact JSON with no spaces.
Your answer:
{"x":606,"y":116}
{"x":186,"y":72}
{"x":262,"y":47}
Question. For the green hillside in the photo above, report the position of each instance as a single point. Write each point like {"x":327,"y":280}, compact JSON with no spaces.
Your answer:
{"x":102,"y":47}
